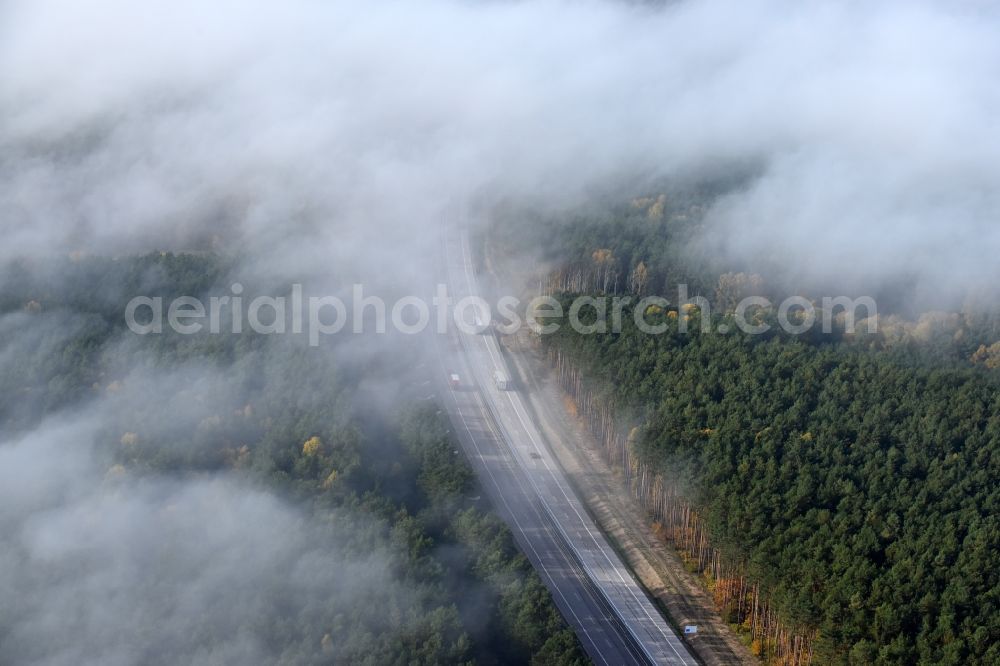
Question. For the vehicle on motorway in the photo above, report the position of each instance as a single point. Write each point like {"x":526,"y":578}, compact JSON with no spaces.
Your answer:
{"x":501,"y":380}
{"x":454,"y":380}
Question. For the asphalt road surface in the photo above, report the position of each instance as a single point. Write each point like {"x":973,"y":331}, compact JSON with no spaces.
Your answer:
{"x":615,"y":620}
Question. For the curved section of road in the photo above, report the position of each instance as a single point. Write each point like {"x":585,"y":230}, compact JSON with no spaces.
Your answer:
{"x":594,"y":589}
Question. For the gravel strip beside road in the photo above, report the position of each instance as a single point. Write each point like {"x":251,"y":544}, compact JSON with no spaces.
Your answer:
{"x":622,"y":519}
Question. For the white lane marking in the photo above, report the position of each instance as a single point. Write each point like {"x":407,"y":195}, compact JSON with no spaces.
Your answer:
{"x":513,"y":516}
{"x":641,"y":601}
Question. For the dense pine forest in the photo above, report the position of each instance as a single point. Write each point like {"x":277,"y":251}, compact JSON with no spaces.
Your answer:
{"x":291,"y":422}
{"x":848,"y":486}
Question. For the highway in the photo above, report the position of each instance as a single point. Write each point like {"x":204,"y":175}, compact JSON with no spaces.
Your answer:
{"x":615,"y":620}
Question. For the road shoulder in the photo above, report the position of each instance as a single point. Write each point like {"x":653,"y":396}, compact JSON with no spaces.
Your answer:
{"x":623,"y":520}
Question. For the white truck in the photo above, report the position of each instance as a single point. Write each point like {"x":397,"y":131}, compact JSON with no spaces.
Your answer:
{"x":501,"y":380}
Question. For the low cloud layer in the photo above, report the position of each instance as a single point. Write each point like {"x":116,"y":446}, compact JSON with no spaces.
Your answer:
{"x":337,"y":137}
{"x":333,"y":132}
{"x":134,"y":530}
{"x":117,"y":571}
